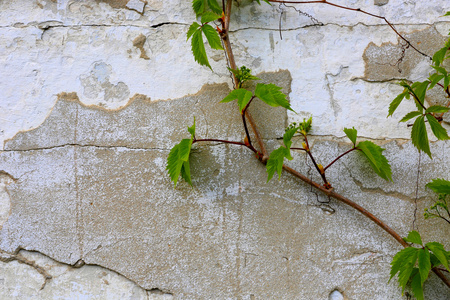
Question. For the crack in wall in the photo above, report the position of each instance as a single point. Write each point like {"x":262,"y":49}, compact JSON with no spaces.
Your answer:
{"x":85,"y":146}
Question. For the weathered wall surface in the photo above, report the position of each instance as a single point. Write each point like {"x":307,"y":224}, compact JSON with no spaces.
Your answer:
{"x":94,"y":95}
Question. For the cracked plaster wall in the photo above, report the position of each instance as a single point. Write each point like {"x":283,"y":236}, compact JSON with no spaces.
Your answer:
{"x":94,"y":95}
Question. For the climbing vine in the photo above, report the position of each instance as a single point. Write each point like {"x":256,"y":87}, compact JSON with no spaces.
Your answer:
{"x":412,"y":264}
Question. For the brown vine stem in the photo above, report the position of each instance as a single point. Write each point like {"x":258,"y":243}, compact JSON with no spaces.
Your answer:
{"x":357,"y":10}
{"x":328,"y":192}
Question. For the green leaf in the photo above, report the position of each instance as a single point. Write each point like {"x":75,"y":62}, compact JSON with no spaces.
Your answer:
{"x":434,"y":79}
{"x":401,"y":259}
{"x":198,"y":48}
{"x":376,"y":159}
{"x":446,"y":14}
{"x":420,"y":89}
{"x":209,"y":16}
{"x":351,"y":134}
{"x":288,"y":135}
{"x":275,"y":162}
{"x":440,"y":253}
{"x":440,"y":70}
{"x":215,"y":7}
{"x":242,"y":95}
{"x":194,"y":26}
{"x":199,"y":7}
{"x":446,"y":82}
{"x":186,"y":172}
{"x":410,"y":115}
{"x":271,"y":95}
{"x":264,"y":1}
{"x":413,"y":237}
{"x":416,"y":284}
{"x":439,"y":56}
{"x":419,"y":136}
{"x":396,"y":102}
{"x":424,"y":265}
{"x":191,"y":130}
{"x":437,"y":109}
{"x":437,"y":128}
{"x":440,"y":186}
{"x":212,"y":36}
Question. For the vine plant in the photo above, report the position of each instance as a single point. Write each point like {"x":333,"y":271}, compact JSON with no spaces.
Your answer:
{"x":412,"y":264}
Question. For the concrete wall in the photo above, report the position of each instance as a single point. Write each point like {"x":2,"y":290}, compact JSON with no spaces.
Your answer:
{"x":95,"y":93}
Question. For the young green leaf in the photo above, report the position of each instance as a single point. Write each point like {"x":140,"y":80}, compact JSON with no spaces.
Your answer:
{"x":212,"y":36}
{"x":440,"y":253}
{"x":214,"y":6}
{"x":275,"y":162}
{"x":242,"y":95}
{"x":416,"y":284}
{"x":437,"y":128}
{"x":209,"y":16}
{"x":447,"y":14}
{"x":191,"y":130}
{"x":413,"y":237}
{"x":401,"y":259}
{"x":434,"y":79}
{"x":420,"y":89}
{"x":198,"y":49}
{"x":396,"y":102}
{"x":439,"y":56}
{"x":410,"y":115}
{"x":424,"y":265}
{"x":271,"y":95}
{"x":199,"y":7}
{"x":437,"y":109}
{"x":440,"y":186}
{"x":419,"y":136}
{"x":351,"y":134}
{"x":288,"y":135}
{"x":376,"y":159}
{"x":194,"y":27}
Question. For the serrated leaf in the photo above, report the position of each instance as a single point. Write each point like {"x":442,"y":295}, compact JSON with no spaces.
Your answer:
{"x":351,"y":134}
{"x":191,"y":130}
{"x":440,"y":186}
{"x":404,"y":273}
{"x":275,"y":162}
{"x":271,"y":95}
{"x":186,"y":172}
{"x":420,"y":90}
{"x":198,"y":49}
{"x":212,"y":36}
{"x":413,"y":237}
{"x":199,"y":7}
{"x":437,"y":128}
{"x":194,"y":26}
{"x":424,"y":265}
{"x":416,"y":284}
{"x":439,"y":56}
{"x":440,"y":253}
{"x":437,"y":109}
{"x":401,"y":259}
{"x":434,"y":79}
{"x":242,"y":102}
{"x":396,"y":102}
{"x":209,"y":16}
{"x":419,"y":136}
{"x":376,"y":159}
{"x":410,"y":115}
{"x":288,"y":135}
{"x":242,"y":95}
{"x":214,"y":6}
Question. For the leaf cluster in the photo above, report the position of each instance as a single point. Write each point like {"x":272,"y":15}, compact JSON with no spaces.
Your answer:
{"x":242,"y":75}
{"x":413,"y":265}
{"x":276,"y":158}
{"x":208,"y":11}
{"x":440,"y":209}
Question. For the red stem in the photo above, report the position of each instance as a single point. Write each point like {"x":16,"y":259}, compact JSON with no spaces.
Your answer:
{"x":337,"y":158}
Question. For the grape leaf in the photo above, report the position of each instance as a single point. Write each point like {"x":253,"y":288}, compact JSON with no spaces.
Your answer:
{"x":410,"y":115}
{"x":401,"y":259}
{"x":419,"y":136}
{"x":214,"y":6}
{"x":198,"y":49}
{"x":420,"y":89}
{"x":376,"y":159}
{"x":209,"y":16}
{"x":199,"y":7}
{"x":437,"y":109}
{"x":416,"y":284}
{"x":424,"y":265}
{"x":271,"y":95}
{"x":242,"y":95}
{"x":212,"y":36}
{"x":413,"y":237}
{"x":194,"y":26}
{"x":440,"y":186}
{"x":440,"y":253}
{"x":351,"y":134}
{"x":437,"y":128}
{"x":288,"y":135}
